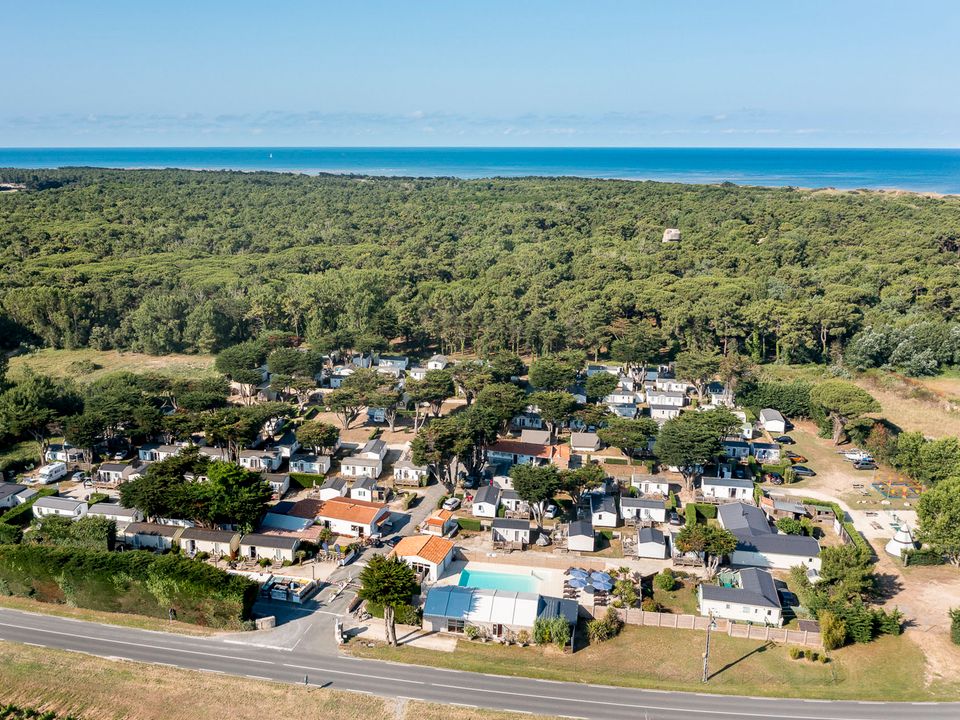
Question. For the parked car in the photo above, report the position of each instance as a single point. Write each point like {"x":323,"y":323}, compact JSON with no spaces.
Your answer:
{"x":864,"y":465}
{"x":803,"y":471}
{"x":451,"y":503}
{"x":674,"y":519}
{"x":119,"y":455}
{"x":551,"y":512}
{"x":795,"y":457}
{"x":773,"y":477}
{"x":783,"y":439}
{"x":79,"y":476}
{"x":394,"y":541}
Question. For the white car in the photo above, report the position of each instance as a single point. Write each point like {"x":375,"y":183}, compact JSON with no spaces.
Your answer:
{"x":551,"y":512}
{"x":451,"y":503}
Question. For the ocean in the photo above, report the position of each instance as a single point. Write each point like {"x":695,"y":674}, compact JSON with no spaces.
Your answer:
{"x":930,"y":170}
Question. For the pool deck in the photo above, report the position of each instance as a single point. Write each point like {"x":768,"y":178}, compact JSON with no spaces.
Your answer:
{"x":551,"y":581}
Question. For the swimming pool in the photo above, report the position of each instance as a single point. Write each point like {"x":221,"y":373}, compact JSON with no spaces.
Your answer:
{"x":512,"y":582}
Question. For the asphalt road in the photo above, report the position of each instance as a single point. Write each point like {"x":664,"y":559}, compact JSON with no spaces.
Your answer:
{"x":302,"y":665}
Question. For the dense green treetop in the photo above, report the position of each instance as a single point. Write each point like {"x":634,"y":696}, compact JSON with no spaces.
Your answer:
{"x":178,"y":260}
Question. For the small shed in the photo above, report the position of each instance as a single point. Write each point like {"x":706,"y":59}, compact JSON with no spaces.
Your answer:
{"x":652,"y":543}
{"x":581,"y":536}
{"x":772,"y":421}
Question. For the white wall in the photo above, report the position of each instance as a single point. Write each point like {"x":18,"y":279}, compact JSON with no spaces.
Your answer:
{"x":783,"y":562}
{"x":743,"y":613}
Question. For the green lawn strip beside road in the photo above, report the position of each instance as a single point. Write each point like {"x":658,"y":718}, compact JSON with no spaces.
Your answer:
{"x":664,"y":659}
{"x":141,"y":622}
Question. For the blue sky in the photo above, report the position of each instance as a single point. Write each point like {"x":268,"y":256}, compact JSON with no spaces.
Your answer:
{"x":528,"y":72}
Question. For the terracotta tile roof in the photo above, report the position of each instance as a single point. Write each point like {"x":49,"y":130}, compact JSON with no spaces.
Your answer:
{"x":557,"y":454}
{"x":439,"y":517}
{"x":307,"y":508}
{"x":431,"y":548}
{"x":358,"y":511}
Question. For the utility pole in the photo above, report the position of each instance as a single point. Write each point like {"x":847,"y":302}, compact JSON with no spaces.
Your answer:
{"x":706,"y":652}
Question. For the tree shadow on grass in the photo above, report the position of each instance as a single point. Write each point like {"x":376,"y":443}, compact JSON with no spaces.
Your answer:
{"x":757,"y":650}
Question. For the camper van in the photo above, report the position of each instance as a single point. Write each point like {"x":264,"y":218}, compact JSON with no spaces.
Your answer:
{"x":51,"y":473}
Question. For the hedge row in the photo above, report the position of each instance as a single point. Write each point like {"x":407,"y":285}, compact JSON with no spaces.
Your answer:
{"x":852,"y":531}
{"x":306,"y":480}
{"x":924,"y":556}
{"x":22,"y":514}
{"x":134,"y":582}
{"x":469,"y":524}
{"x":695,"y":512}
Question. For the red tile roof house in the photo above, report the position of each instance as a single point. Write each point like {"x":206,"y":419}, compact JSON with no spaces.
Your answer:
{"x":517,"y":452}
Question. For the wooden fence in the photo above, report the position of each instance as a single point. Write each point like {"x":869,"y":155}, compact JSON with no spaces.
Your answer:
{"x":544,"y":560}
{"x":635,"y":616}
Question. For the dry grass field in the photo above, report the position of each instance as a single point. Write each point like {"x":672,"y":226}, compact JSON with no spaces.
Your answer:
{"x":88,"y":365}
{"x":92,"y":688}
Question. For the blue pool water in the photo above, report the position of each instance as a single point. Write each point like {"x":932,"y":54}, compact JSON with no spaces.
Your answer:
{"x":498,"y":581}
{"x":936,"y":170}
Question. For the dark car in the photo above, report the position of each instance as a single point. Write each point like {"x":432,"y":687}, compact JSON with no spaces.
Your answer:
{"x":674,"y":518}
{"x":783,"y":440}
{"x":394,"y":541}
{"x":803,"y":471}
{"x":773,"y":477}
{"x":864,"y":465}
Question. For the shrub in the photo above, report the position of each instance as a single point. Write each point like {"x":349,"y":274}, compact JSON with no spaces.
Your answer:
{"x":790,"y":526}
{"x":824,"y":659}
{"x":795,"y":653}
{"x":89,"y":533}
{"x":651,"y":605}
{"x":813,"y":655}
{"x":665,"y":580}
{"x":10,"y":534}
{"x":555,"y":630}
{"x":472,"y":632}
{"x":441,"y":501}
{"x":925,"y":556}
{"x":888,"y":623}
{"x":833,"y":631}
{"x":523,"y":637}
{"x":955,"y":625}
{"x":602,"y":629}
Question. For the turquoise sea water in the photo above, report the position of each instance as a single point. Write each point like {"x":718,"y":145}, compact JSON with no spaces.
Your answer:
{"x":917,"y":170}
{"x":498,"y":581}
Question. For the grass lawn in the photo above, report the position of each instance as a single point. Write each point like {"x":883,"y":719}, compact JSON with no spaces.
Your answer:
{"x":96,"y":689}
{"x":920,"y":404}
{"x":681,"y":600}
{"x":671,"y":660}
{"x":142,"y":622}
{"x":76,"y":364}
{"x":23,"y":452}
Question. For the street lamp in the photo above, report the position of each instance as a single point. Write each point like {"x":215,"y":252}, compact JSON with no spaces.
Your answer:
{"x":706,"y":652}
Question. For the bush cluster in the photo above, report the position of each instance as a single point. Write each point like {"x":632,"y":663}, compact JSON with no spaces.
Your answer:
{"x":136,"y":582}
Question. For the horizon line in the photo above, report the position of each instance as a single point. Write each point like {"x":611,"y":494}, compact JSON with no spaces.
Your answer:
{"x":480,"y":147}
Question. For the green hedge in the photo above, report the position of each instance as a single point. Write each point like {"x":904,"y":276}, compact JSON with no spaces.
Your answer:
{"x":469,"y":524}
{"x":21,"y":515}
{"x":922,"y":557}
{"x":133,"y":582}
{"x":403,"y":614}
{"x":306,"y":480}
{"x":852,"y":531}
{"x":697,"y":512}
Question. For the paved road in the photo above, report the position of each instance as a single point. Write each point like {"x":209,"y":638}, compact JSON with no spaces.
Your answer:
{"x":221,"y":655}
